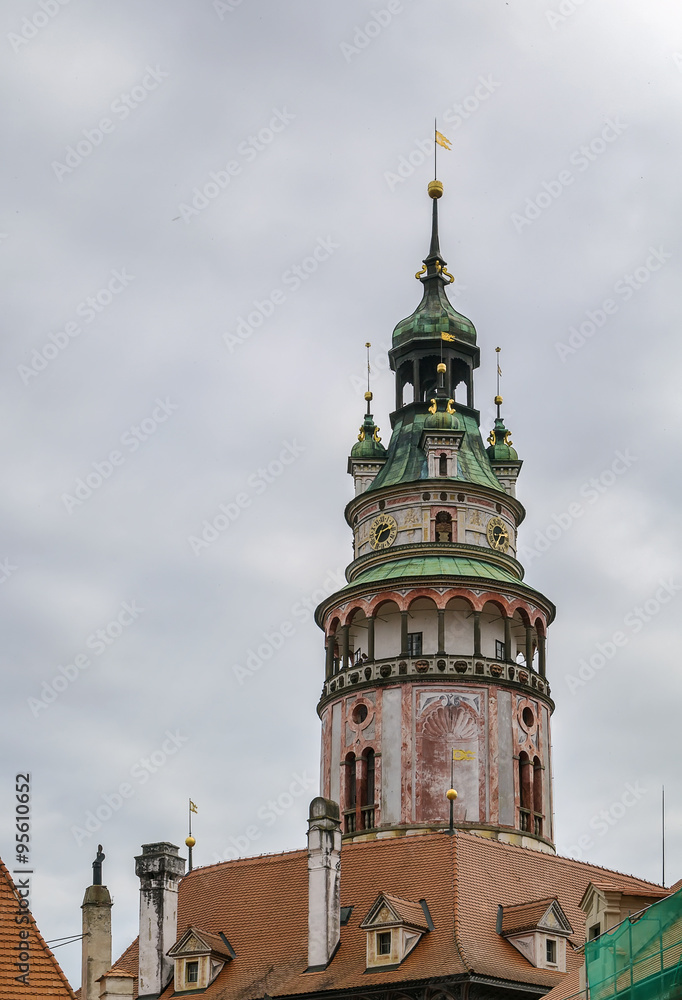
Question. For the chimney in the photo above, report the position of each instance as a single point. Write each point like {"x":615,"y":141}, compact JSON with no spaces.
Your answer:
{"x":324,"y":882}
{"x":159,"y":869}
{"x":96,"y":942}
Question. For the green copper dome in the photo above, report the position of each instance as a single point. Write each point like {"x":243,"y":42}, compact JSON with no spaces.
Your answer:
{"x":500,"y":446}
{"x":441,"y":416}
{"x":434,"y":316}
{"x":368,"y":445}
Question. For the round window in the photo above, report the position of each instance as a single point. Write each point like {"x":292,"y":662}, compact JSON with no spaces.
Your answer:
{"x":359,"y":713}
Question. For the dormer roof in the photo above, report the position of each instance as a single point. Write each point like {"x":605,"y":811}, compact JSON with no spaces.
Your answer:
{"x":391,"y":911}
{"x":539,"y":914}
{"x":195,"y":941}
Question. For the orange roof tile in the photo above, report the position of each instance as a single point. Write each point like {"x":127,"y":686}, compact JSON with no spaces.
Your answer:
{"x":129,"y":963}
{"x":45,"y":978}
{"x":568,"y":988}
{"x":261,"y":904}
{"x":524,"y":916}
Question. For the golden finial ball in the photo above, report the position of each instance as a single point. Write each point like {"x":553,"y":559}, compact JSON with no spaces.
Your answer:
{"x":435,"y":189}
{"x":369,"y":397}
{"x":451,"y":794}
{"x":441,"y":369}
{"x":190,"y":842}
{"x":498,"y":400}
{"x":367,"y":344}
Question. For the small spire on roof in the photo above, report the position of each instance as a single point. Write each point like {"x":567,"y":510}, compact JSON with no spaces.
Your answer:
{"x":190,"y":841}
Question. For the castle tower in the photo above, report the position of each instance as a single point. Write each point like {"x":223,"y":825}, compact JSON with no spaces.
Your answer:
{"x":435,"y":648}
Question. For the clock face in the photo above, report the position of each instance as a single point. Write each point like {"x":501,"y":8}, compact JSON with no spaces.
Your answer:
{"x":498,"y":534}
{"x":383,"y":531}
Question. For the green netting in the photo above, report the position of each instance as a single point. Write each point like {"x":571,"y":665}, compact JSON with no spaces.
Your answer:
{"x":640,"y":959}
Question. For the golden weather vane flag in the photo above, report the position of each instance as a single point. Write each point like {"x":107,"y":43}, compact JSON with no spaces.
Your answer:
{"x":443,"y":140}
{"x":192,"y":807}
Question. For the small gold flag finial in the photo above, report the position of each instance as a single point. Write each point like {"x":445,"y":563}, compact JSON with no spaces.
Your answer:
{"x":443,"y":140}
{"x":192,"y":807}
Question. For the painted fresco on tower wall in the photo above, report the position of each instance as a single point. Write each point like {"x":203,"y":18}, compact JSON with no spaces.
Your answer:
{"x":450,"y":731}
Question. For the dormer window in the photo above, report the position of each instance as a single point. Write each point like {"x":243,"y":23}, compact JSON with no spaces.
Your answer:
{"x":199,"y":958}
{"x":539,"y":930}
{"x":394,"y":928}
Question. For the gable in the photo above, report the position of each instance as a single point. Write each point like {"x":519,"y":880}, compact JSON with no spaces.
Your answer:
{"x":19,"y":936}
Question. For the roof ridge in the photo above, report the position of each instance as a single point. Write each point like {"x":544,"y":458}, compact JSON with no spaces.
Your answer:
{"x":531,"y":902}
{"x":455,"y":902}
{"x":252,"y":858}
{"x":500,"y":845}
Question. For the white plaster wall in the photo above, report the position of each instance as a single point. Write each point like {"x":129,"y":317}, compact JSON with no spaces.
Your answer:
{"x":387,"y":632}
{"x":358,"y":635}
{"x":505,"y":765}
{"x":335,"y":757}
{"x":424,"y":618}
{"x":459,"y":630}
{"x":491,"y":631}
{"x":391,"y":744}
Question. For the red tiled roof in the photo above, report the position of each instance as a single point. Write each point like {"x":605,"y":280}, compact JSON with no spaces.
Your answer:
{"x":129,"y":962}
{"x":261,"y":904}
{"x":524,"y":916}
{"x":568,"y":988}
{"x":46,"y":979}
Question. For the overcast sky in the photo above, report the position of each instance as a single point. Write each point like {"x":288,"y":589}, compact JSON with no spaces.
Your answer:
{"x":208,"y":209}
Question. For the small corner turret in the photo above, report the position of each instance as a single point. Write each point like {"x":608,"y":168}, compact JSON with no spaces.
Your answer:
{"x":503,"y":457}
{"x":368,"y":453}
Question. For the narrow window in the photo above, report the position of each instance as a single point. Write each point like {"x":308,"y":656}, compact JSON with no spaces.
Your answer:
{"x":351,"y":794}
{"x":525,"y":791}
{"x":537,"y":795}
{"x":414,"y":643}
{"x":443,"y":526}
{"x":192,"y":972}
{"x":442,"y":465}
{"x":369,"y":754}
{"x":384,"y":943}
{"x":594,"y":932}
{"x":551,"y":951}
{"x":499,"y":650}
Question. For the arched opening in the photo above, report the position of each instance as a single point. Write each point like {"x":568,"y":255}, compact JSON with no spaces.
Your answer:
{"x":461,"y":383}
{"x":443,"y":526}
{"x":537,"y":796}
{"x":459,"y":627}
{"x":387,"y":631}
{"x":422,"y":627}
{"x":358,"y":636}
{"x":442,"y":464}
{"x":492,"y":632}
{"x":518,"y":637}
{"x":350,"y":797}
{"x":368,"y":821}
{"x":541,"y":647}
{"x":525,"y":791}
{"x":333,"y":649}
